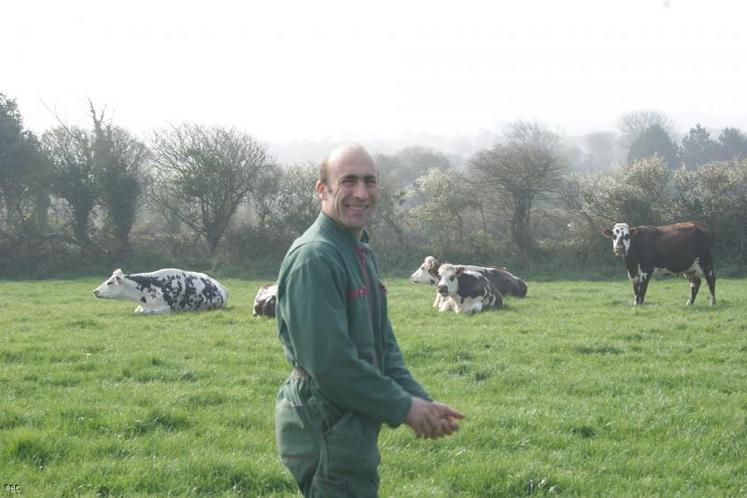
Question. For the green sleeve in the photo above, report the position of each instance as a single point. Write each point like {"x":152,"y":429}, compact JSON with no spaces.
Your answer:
{"x":395,"y":366}
{"x":314,"y":307}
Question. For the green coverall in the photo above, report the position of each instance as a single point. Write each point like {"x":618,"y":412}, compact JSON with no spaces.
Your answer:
{"x":349,"y":376}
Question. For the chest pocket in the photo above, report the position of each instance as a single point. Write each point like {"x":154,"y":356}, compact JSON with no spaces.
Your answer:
{"x":359,"y":318}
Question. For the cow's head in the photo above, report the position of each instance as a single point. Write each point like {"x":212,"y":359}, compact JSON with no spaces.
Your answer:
{"x":427,"y":273}
{"x":620,"y":235}
{"x":448,"y":283}
{"x":112,"y":287}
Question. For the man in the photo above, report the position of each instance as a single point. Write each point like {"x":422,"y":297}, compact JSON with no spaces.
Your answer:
{"x":349,"y":376}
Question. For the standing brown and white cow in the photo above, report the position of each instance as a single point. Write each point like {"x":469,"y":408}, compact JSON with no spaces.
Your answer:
{"x":685,"y":248}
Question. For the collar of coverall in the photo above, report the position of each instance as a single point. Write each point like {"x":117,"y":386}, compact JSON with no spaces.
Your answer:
{"x":328,"y":223}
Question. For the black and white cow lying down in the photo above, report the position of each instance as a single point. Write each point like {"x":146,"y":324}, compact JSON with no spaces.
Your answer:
{"x":265,"y":300}
{"x":503,"y":280}
{"x":468,"y":291}
{"x":685,"y":248}
{"x":165,"y":290}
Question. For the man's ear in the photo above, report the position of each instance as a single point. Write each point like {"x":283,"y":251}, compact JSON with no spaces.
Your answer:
{"x":320,"y":187}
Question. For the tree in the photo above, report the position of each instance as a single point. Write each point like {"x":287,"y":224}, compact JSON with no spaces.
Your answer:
{"x":517,"y":175}
{"x":716,"y":194}
{"x":204,"y":174}
{"x":602,"y":147}
{"x":101,"y":167}
{"x":118,"y":163}
{"x":443,"y":214}
{"x":732,"y":144}
{"x":388,"y":223}
{"x":634,"y":124}
{"x":654,"y":141}
{"x":70,"y":149}
{"x":403,"y":168}
{"x":266,"y":192}
{"x":24,"y":173}
{"x":299,"y":206}
{"x":638,"y":193}
{"x":698,"y":148}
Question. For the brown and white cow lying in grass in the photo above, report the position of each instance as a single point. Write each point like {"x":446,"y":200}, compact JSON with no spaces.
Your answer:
{"x":503,"y":280}
{"x":468,"y":291}
{"x":265,"y":301}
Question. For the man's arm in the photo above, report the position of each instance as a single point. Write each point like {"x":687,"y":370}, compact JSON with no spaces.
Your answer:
{"x":395,"y":365}
{"x":426,"y":418}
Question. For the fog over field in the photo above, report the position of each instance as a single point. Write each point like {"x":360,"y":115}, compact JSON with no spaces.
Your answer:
{"x":300,"y":76}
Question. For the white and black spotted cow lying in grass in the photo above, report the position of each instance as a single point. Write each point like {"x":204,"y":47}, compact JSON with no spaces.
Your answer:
{"x":468,"y":291}
{"x":503,"y":280}
{"x":164,"y":291}
{"x":265,"y":300}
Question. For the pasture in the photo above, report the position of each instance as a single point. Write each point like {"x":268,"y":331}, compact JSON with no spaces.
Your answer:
{"x":569,"y":392}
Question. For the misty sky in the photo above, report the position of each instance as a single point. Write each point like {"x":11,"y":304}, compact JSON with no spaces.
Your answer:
{"x":288,"y":71}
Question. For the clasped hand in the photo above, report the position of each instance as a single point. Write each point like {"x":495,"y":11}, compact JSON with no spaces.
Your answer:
{"x":431,"y":419}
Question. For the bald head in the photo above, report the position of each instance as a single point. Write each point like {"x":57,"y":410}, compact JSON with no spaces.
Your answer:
{"x":348,"y":187}
{"x":342,"y":154}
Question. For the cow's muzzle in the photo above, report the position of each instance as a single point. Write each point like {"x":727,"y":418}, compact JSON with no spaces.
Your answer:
{"x":443,"y":290}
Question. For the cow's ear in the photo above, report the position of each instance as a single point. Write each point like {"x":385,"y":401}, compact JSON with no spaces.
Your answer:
{"x":633,"y":231}
{"x":607,"y":233}
{"x":460,"y":270}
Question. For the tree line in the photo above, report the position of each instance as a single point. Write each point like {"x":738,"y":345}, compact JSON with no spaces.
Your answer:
{"x":87,"y":199}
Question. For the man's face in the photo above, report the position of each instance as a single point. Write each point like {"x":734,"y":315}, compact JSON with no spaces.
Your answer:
{"x":350,"y":193}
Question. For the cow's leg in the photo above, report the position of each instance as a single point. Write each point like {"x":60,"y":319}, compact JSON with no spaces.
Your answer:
{"x":446,"y":304}
{"x":156,"y":310}
{"x":694,"y":287}
{"x":637,"y":299}
{"x":475,"y":308}
{"x":645,"y":276}
{"x":437,"y":302}
{"x":710,"y":277}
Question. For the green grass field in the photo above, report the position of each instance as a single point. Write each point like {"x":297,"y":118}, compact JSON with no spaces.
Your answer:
{"x":570,"y":391}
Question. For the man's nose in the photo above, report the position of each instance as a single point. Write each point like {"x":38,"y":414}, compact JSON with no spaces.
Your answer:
{"x":360,"y":190}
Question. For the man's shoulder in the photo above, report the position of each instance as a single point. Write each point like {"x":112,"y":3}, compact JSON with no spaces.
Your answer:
{"x":310,"y":247}
{"x":310,"y":251}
